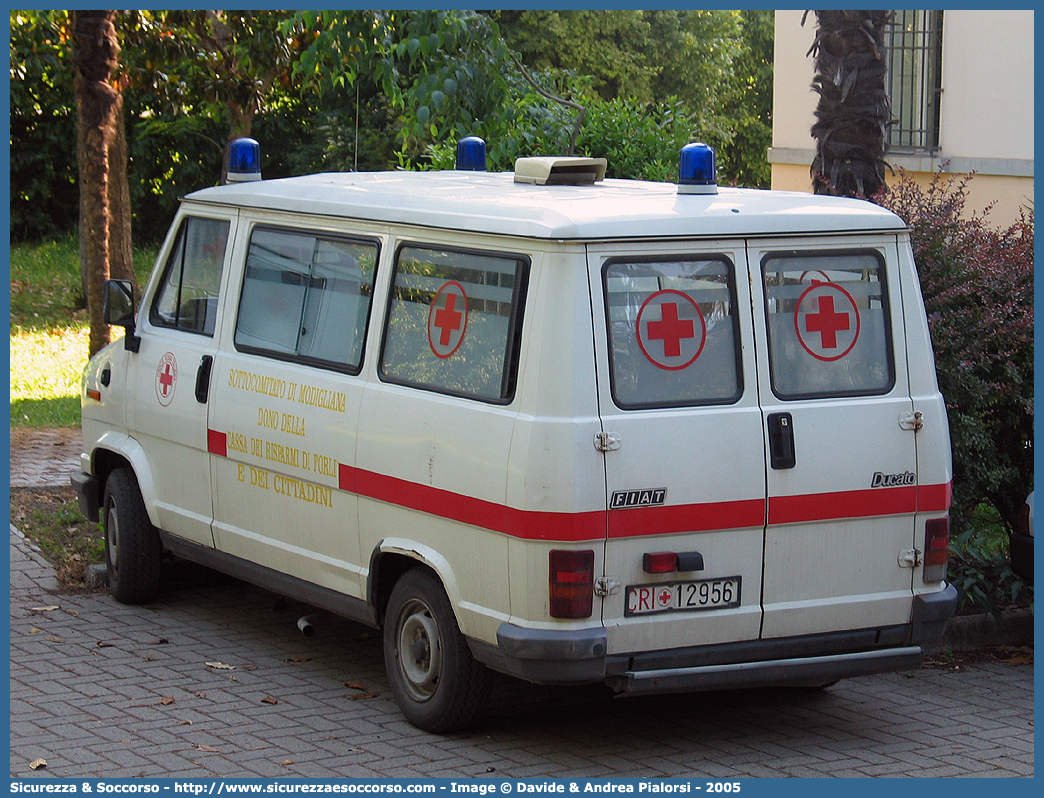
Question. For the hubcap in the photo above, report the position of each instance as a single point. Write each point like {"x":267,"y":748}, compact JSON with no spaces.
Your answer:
{"x":112,"y":534}
{"x":420,"y":655}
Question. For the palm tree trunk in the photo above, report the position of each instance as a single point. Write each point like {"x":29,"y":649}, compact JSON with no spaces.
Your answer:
{"x":854,"y":109}
{"x":95,"y":53}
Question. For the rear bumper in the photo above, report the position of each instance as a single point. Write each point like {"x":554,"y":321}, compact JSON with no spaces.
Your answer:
{"x":795,"y":672}
{"x":575,"y":656}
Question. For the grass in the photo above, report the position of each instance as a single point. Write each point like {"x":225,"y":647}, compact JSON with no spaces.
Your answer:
{"x":50,"y":331}
{"x":51,"y":518}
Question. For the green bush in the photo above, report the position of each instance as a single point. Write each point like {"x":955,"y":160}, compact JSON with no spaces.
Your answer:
{"x":979,"y":566}
{"x":977,"y":282}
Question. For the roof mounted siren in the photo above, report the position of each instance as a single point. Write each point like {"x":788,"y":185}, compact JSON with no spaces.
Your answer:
{"x":244,"y":161}
{"x":471,"y":154}
{"x":696,"y":170}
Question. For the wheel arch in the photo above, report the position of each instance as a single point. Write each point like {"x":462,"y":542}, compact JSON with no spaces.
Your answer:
{"x":118,"y":450}
{"x":391,"y":558}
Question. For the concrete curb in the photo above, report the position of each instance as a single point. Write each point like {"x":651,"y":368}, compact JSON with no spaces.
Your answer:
{"x":966,"y":632}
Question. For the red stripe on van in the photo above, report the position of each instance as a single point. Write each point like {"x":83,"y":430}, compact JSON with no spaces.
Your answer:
{"x":216,"y":443}
{"x":934,"y":498}
{"x":638,"y":521}
{"x":528,"y":524}
{"x":845,"y":504}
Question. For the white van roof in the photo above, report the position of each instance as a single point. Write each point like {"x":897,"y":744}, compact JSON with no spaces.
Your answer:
{"x":488,"y":202}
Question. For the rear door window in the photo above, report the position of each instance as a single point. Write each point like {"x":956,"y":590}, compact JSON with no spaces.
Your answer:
{"x":673,"y":333}
{"x":828,"y":331}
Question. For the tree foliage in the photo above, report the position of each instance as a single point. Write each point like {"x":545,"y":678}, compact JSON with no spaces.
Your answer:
{"x":977,"y":282}
{"x":44,"y":194}
{"x":713,"y":66}
{"x":337,"y":90}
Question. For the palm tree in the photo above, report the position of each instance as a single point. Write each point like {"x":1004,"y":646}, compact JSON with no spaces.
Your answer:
{"x":99,"y":106}
{"x":854,"y":110}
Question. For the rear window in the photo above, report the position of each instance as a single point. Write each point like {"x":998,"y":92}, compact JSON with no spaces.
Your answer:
{"x":454,"y":322}
{"x":828,"y":330}
{"x":673,"y":335}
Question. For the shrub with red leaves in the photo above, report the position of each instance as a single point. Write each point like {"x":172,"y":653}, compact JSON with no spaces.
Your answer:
{"x":977,"y":282}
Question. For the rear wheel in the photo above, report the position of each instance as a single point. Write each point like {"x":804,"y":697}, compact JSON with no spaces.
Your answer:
{"x":437,"y":683}
{"x":132,"y":545}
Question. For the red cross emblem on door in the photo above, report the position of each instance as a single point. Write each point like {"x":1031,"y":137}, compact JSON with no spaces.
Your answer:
{"x":671,"y":330}
{"x":166,"y":378}
{"x":447,"y":319}
{"x":827,"y":321}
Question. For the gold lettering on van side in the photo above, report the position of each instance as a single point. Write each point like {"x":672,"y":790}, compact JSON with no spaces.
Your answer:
{"x":286,"y":486}
{"x":295,"y":425}
{"x":257,"y":383}
{"x":322,"y":397}
{"x":287,"y":455}
{"x":236,"y":442}
{"x":303,"y":491}
{"x":324,"y":465}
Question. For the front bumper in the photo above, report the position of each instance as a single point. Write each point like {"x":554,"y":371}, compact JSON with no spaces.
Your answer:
{"x":577,"y":656}
{"x":87,"y":493}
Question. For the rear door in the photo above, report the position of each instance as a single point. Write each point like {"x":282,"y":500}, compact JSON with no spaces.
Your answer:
{"x":685,"y":471}
{"x":842,"y":476}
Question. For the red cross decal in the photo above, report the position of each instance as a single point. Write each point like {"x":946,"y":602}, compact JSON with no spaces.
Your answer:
{"x":674,"y":340}
{"x":166,"y":379}
{"x":665,"y":597}
{"x":829,"y":310}
{"x":671,"y":330}
{"x":448,"y":320}
{"x":827,"y":323}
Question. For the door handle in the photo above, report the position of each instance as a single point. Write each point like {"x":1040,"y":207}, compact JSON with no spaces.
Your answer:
{"x":781,"y":441}
{"x":203,"y":379}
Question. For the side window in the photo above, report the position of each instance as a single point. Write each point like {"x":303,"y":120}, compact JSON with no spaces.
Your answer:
{"x":673,"y":335}
{"x":188,"y":298}
{"x":828,"y":331}
{"x":306,"y":296}
{"x":454,"y":322}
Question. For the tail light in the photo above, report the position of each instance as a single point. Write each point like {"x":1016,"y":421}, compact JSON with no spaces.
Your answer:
{"x":571,"y":583}
{"x":936,"y":548}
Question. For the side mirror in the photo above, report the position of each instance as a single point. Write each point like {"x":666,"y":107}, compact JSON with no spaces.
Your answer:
{"x":118,"y":310}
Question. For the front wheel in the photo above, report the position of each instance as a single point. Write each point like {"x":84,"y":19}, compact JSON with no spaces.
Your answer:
{"x":133,"y":550}
{"x":437,"y":683}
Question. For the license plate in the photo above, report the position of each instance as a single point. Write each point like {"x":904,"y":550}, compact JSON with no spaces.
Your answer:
{"x":703,"y":594}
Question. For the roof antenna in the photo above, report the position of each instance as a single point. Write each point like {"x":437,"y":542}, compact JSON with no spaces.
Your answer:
{"x":560,"y":100}
{"x":355,"y":168}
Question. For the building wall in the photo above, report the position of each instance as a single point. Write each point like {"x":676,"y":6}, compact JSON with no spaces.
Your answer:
{"x":986,"y":110}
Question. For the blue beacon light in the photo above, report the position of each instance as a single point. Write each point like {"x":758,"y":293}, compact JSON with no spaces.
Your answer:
{"x":471,"y":154}
{"x":696,"y":170}
{"x":244,"y":161}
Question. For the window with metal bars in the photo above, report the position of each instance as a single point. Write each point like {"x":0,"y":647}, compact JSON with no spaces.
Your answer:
{"x":914,"y":80}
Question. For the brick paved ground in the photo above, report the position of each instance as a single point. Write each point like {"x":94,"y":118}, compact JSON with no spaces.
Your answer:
{"x":103,"y":690}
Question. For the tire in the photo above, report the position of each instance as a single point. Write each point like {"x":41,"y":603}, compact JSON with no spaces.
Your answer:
{"x":132,"y":545}
{"x":437,"y":683}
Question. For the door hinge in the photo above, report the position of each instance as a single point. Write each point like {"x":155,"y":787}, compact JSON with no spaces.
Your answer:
{"x":604,"y":586}
{"x":911,"y":421}
{"x":909,"y":558}
{"x":607,"y":441}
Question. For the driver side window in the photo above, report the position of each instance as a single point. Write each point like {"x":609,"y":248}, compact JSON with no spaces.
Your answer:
{"x":188,"y":298}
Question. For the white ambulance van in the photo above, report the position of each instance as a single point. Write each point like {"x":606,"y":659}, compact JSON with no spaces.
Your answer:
{"x":668,"y":437}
